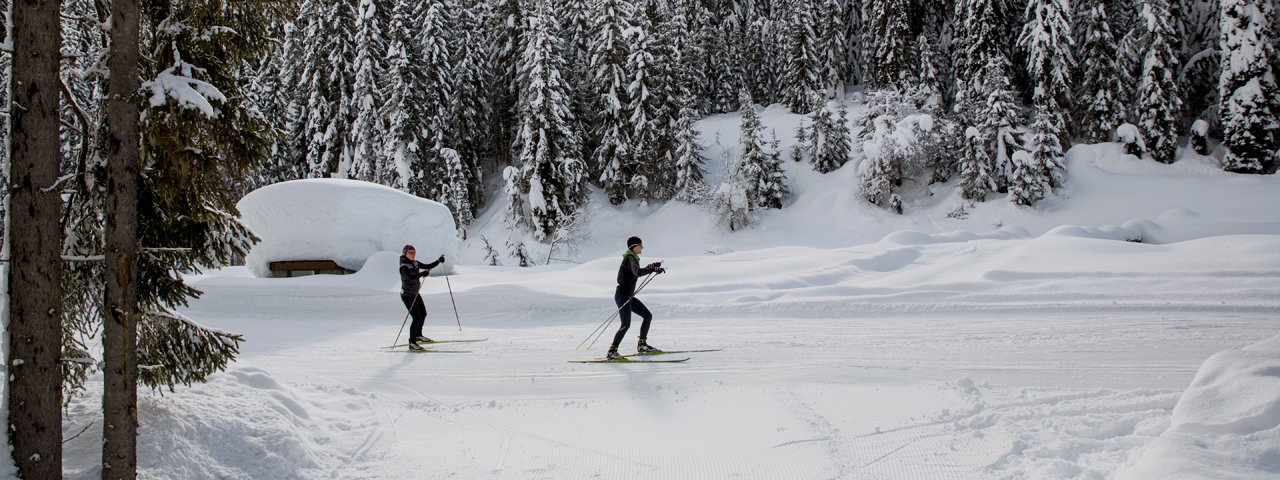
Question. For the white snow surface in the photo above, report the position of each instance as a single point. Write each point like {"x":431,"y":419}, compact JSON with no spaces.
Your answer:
{"x":346,"y":221}
{"x":984,"y":342}
{"x":1227,"y":423}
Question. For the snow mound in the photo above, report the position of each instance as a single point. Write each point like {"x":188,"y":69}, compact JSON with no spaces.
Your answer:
{"x":1227,"y":423}
{"x":346,"y":221}
{"x":242,"y":424}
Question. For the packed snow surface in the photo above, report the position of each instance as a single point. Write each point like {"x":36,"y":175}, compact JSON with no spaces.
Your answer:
{"x":1079,"y":339}
{"x":346,"y":221}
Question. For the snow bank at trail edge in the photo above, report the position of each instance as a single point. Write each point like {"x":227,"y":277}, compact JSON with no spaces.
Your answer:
{"x":1225,"y":426}
{"x":241,"y":424}
{"x":342,"y":220}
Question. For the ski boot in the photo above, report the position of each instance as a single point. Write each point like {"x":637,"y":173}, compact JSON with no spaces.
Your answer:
{"x":421,"y":339}
{"x":413,"y":346}
{"x":644,"y":348}
{"x":613,"y":354}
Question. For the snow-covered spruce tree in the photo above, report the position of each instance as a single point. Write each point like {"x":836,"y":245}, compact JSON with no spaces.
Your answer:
{"x":407,"y":137}
{"x":832,"y":46}
{"x":551,"y":173}
{"x":1159,"y":100}
{"x":506,"y":26}
{"x":979,"y":42}
{"x":839,"y":141}
{"x":1101,"y":105}
{"x":690,"y":182}
{"x":802,"y":140}
{"x":1250,"y":96}
{"x":576,"y":26}
{"x":694,"y":47}
{"x":774,"y":188}
{"x":984,"y":96}
{"x":999,"y":120}
{"x":365,"y":161}
{"x":651,"y":112}
{"x":827,"y":142}
{"x":472,"y":112}
{"x":609,"y":80}
{"x":930,"y":82}
{"x":812,"y":138}
{"x":455,"y":192}
{"x":1028,"y":186}
{"x":428,"y":172}
{"x":1040,"y":170}
{"x":1046,"y":36}
{"x":752,"y":159}
{"x":893,"y":62}
{"x":854,"y":42}
{"x":325,"y":86}
{"x":270,"y":82}
{"x":802,"y":73}
{"x":198,"y":150}
{"x":725,"y":75}
{"x":765,"y":57}
{"x":976,"y":178}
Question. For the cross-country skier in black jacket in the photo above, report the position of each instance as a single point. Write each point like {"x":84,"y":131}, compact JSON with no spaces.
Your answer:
{"x":624,"y":296}
{"x":411,"y":273}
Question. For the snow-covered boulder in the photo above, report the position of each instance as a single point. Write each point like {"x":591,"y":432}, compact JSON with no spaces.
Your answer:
{"x":342,"y":220}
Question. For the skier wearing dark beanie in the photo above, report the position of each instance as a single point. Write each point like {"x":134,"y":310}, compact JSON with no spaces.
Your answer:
{"x":624,"y":296}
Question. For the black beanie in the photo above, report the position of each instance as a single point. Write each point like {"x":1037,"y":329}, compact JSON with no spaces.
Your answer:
{"x":406,"y":249}
{"x":633,"y":241}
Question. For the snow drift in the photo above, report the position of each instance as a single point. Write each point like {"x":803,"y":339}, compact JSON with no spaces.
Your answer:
{"x":1227,"y":423}
{"x":346,"y":221}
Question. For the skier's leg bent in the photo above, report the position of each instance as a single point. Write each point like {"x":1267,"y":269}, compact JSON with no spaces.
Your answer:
{"x":624,"y":320}
{"x":643,"y":312}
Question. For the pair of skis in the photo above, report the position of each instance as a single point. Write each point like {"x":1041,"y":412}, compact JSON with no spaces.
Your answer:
{"x":404,"y":347}
{"x":628,"y":358}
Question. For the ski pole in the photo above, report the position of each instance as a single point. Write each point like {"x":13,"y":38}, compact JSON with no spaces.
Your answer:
{"x":406,"y":320}
{"x":455,"y":304}
{"x":604,"y":326}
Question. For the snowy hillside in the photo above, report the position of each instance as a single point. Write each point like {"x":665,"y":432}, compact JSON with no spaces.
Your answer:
{"x":1007,"y":342}
{"x":1155,"y":202}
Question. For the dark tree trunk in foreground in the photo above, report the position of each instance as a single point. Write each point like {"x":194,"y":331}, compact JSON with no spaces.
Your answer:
{"x":120,"y":343}
{"x":35,"y":291}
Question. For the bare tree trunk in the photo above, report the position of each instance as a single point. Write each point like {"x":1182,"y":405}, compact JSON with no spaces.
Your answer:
{"x":119,"y":338}
{"x":35,"y":290}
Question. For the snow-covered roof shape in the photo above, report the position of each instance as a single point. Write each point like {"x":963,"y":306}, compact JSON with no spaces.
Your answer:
{"x":342,"y":220}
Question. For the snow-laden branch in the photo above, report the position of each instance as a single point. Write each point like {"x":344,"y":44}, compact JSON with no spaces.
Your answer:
{"x":178,"y":84}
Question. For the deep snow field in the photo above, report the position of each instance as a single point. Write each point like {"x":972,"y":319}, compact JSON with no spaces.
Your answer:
{"x":1009,"y":343}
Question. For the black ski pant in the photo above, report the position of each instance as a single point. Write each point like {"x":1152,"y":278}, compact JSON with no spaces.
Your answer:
{"x":418,"y":311}
{"x":624,"y":315}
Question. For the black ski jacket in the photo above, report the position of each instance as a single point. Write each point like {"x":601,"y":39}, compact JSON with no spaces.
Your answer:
{"x":628,"y":272}
{"x":411,"y":273}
